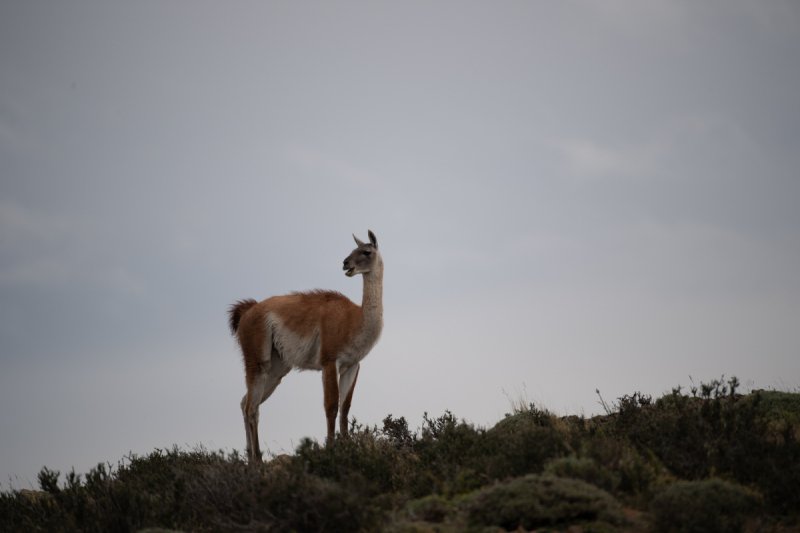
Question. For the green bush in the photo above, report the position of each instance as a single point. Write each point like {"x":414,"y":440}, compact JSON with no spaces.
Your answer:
{"x":753,"y":439}
{"x":530,"y":468}
{"x":523,"y":442}
{"x":585,"y":469}
{"x":397,"y":432}
{"x":198,"y":491}
{"x":276,"y":497}
{"x":633,"y":472}
{"x":537,"y":500}
{"x":433,"y":508}
{"x":451,"y":456}
{"x":362,"y":461}
{"x":703,"y":506}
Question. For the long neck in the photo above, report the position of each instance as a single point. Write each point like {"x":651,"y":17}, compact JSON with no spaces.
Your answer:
{"x":372,"y":297}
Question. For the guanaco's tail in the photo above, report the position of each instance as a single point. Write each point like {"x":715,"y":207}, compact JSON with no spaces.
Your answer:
{"x":236,"y":311}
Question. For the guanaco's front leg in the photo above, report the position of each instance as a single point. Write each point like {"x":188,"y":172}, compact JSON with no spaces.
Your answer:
{"x":330,"y":389}
{"x":347,"y":384}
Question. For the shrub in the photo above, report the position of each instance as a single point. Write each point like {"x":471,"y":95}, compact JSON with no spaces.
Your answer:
{"x":753,"y":439}
{"x":361,"y":461}
{"x":531,"y":468}
{"x":633,"y":472}
{"x":522,"y":443}
{"x":197,"y":491}
{"x":764,"y":447}
{"x":397,"y":432}
{"x":584,"y":469}
{"x":701,"y":506}
{"x":433,"y":508}
{"x":451,"y":456}
{"x":293,"y":501}
{"x":541,"y":500}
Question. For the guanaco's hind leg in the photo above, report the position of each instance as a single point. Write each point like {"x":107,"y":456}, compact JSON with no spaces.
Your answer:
{"x":259,"y":389}
{"x":249,"y":406}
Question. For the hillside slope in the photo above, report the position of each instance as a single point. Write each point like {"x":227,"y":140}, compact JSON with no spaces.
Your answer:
{"x":711,"y":460}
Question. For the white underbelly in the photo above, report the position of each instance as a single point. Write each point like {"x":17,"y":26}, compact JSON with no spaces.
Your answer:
{"x":297,"y":351}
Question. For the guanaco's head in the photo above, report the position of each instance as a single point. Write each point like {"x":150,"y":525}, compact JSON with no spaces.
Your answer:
{"x":365,"y":258}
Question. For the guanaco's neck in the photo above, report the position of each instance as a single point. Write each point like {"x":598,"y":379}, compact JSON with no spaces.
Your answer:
{"x":372,"y":300}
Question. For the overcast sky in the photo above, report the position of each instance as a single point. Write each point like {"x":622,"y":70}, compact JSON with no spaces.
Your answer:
{"x":568,"y":196}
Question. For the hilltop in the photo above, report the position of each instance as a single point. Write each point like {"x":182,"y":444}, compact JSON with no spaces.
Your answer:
{"x":708,"y":459}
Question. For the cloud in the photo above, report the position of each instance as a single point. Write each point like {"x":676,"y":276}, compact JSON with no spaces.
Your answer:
{"x":48,"y":249}
{"x":19,"y":224}
{"x":679,"y":143}
{"x":588,"y":158}
{"x":32,"y":246}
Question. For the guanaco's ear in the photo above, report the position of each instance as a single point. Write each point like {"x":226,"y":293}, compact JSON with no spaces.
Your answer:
{"x":358,"y":242}
{"x":372,"y":238}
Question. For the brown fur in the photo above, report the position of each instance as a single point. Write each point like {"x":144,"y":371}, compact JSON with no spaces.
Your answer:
{"x":252,"y":334}
{"x":334,"y":314}
{"x":330,"y":387}
{"x":236,"y":311}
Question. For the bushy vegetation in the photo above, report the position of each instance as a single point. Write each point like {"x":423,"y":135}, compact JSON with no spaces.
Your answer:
{"x":706,"y":460}
{"x":540,"y":500}
{"x":707,"y":505}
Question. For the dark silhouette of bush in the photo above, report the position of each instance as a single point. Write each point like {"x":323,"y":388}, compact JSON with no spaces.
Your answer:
{"x":703,"y":506}
{"x":634,"y":471}
{"x":585,"y":469}
{"x":363,"y":461}
{"x":432,"y":508}
{"x":396,"y":431}
{"x":754,"y":439}
{"x":535,"y":500}
{"x":142,"y":492}
{"x":523,"y":442}
{"x":458,"y":458}
{"x":450,"y":453}
{"x":445,"y":474}
{"x":198,"y":491}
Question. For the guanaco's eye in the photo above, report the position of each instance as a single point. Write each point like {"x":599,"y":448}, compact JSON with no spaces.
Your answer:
{"x":366,"y":253}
